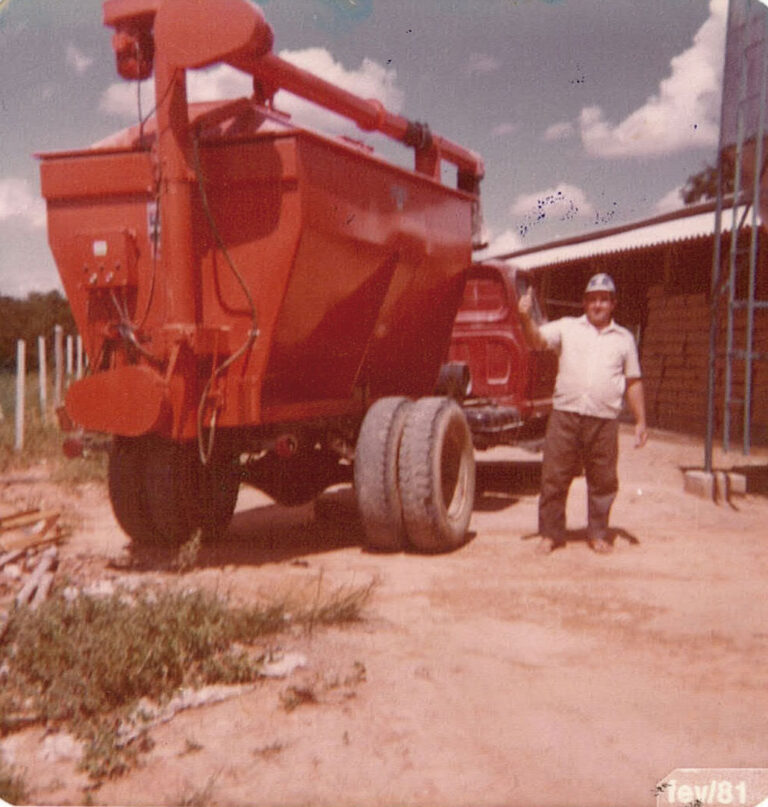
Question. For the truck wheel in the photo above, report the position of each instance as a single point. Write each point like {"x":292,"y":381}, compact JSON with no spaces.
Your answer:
{"x":125,"y":482}
{"x":184,"y":496}
{"x":436,"y":475}
{"x":375,"y":474}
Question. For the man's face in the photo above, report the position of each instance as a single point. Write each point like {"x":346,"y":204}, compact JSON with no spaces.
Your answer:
{"x":598,"y":306}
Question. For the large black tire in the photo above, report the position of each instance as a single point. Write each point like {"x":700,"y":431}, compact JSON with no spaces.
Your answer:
{"x":184,"y":496}
{"x":375,"y":474}
{"x":436,"y":472}
{"x":162,"y":494}
{"x":125,"y":482}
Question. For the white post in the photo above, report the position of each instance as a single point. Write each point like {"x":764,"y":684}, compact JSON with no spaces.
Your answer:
{"x":21,"y":373}
{"x":79,"y":353}
{"x":58,"y":359}
{"x":70,"y":356}
{"x":42,"y":372}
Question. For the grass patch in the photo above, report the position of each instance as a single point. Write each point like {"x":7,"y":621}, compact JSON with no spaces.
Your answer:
{"x":13,"y":788}
{"x":42,"y":439}
{"x":84,"y":664}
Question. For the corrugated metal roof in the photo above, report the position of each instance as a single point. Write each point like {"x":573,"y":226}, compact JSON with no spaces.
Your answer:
{"x":678,"y":226}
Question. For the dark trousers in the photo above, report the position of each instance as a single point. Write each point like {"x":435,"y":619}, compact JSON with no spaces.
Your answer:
{"x":574,"y":442}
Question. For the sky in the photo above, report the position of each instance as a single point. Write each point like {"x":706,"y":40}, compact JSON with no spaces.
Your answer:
{"x":587,"y":113}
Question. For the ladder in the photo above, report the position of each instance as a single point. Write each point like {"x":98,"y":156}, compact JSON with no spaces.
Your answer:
{"x":734,"y":275}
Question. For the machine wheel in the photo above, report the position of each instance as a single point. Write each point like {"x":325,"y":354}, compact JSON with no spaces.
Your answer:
{"x":125,"y":482}
{"x":219,"y":483}
{"x":184,"y":496}
{"x":436,"y":472}
{"x":375,"y":474}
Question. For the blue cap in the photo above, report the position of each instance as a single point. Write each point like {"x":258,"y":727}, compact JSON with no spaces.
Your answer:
{"x":600,"y":282}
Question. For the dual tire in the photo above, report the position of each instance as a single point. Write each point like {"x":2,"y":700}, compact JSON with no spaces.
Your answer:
{"x":415,"y":475}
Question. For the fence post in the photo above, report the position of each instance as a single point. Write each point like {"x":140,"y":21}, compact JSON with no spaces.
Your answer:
{"x":79,"y":354}
{"x":58,"y":358}
{"x":70,"y":356}
{"x":42,"y":372}
{"x":21,"y":373}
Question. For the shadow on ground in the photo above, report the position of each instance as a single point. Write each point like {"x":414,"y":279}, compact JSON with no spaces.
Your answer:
{"x":579,"y":536}
{"x":273,"y":533}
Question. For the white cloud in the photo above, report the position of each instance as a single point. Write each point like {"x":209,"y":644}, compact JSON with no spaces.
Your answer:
{"x":18,"y":202}
{"x":77,"y":59}
{"x":501,"y":244}
{"x":562,"y":202}
{"x":480,"y":63}
{"x":370,"y":80}
{"x":121,"y":99}
{"x":669,"y":202}
{"x":504,"y":129}
{"x":682,"y":114}
{"x":559,"y":131}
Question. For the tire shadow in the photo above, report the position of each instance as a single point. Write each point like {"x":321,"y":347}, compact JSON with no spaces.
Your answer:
{"x":271,"y":533}
{"x":501,"y":484}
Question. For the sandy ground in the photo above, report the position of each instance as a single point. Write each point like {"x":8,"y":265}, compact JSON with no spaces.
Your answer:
{"x":488,"y":676}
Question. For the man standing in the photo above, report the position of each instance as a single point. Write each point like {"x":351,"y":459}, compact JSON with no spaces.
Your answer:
{"x":597,"y":366}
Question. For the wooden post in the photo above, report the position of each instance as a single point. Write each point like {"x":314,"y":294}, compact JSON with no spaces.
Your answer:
{"x":58,"y":358}
{"x":21,"y":373}
{"x":42,"y":372}
{"x":70,"y":356}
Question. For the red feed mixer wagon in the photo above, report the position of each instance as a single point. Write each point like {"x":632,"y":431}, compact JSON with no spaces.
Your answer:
{"x":259,"y":302}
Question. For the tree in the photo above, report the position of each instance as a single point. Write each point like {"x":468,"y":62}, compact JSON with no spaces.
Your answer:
{"x":703,"y":185}
{"x":29,"y":318}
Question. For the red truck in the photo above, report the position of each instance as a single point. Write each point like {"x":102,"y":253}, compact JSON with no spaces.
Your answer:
{"x":504,"y":385}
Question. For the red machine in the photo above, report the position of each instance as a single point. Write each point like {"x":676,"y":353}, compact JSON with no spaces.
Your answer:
{"x":505,"y":385}
{"x":258,"y":301}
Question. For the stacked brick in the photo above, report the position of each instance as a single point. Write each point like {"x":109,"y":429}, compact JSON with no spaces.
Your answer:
{"x":675,"y":360}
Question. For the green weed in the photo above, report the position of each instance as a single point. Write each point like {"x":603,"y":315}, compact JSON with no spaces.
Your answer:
{"x":13,"y":788}
{"x":42,"y":439}
{"x":85,"y":663}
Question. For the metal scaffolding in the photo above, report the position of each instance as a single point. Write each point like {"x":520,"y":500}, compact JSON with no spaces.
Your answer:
{"x":734,"y":274}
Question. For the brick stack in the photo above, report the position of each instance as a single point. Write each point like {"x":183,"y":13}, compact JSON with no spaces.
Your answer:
{"x":675,"y":358}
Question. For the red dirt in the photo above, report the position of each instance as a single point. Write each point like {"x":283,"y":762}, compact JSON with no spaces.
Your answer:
{"x":488,"y":676}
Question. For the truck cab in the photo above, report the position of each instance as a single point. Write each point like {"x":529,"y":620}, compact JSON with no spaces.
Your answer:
{"x":505,"y":386}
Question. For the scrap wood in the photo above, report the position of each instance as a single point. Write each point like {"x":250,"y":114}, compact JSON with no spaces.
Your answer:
{"x":25,"y":518}
{"x":34,"y":530}
{"x":5,"y":517}
{"x":47,"y":562}
{"x":9,"y":557}
{"x":43,"y":590}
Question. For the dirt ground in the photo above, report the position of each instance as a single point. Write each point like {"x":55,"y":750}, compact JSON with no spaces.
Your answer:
{"x":487,"y":676}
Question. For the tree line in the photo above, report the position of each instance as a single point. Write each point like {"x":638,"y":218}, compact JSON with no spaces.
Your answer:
{"x":29,"y":318}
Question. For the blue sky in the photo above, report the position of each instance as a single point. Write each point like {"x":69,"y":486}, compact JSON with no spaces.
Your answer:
{"x":590,"y":112}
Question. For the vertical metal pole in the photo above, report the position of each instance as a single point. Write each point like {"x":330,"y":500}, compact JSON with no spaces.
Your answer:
{"x":733,"y":257}
{"x":715,"y":279}
{"x":42,"y":372}
{"x":750,"y":325}
{"x":58,"y":359}
{"x":21,"y":374}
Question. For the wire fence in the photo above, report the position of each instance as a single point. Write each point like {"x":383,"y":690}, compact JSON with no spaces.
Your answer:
{"x":69,"y":363}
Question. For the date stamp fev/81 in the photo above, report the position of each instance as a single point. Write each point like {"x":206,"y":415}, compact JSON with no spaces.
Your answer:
{"x":700,"y":787}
